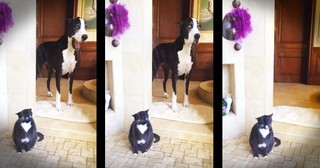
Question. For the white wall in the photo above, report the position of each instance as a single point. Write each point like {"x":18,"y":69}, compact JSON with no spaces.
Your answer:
{"x":256,"y":60}
{"x":19,"y":62}
{"x":259,"y":60}
{"x":137,"y":58}
{"x":3,"y":89}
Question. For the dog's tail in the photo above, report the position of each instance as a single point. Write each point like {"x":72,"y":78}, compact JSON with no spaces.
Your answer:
{"x":156,"y":61}
{"x":157,"y":137}
{"x":41,"y":136}
{"x":41,"y":58}
{"x":277,"y":141}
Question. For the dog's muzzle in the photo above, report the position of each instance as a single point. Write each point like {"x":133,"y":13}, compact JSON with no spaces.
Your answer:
{"x":196,"y":38}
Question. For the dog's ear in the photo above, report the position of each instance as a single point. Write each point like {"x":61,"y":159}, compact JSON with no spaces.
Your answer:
{"x":180,"y":22}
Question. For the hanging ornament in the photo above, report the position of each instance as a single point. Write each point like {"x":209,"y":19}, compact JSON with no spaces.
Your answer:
{"x":237,"y":24}
{"x":6,"y":21}
{"x":117,"y":21}
{"x":117,"y":17}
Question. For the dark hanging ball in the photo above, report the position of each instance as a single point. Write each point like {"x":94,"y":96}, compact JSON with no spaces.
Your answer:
{"x":237,"y":46}
{"x":115,"y":43}
{"x":113,"y":1}
{"x":108,"y":14}
{"x":108,"y":30}
{"x":228,"y":32}
{"x":236,"y":3}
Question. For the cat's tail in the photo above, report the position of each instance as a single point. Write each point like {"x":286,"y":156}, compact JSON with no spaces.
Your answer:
{"x":277,"y":141}
{"x":157,"y":137}
{"x":41,"y":136}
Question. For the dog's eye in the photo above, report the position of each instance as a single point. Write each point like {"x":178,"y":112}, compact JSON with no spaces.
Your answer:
{"x":199,"y":26}
{"x":190,"y":26}
{"x":86,"y":26}
{"x":77,"y":26}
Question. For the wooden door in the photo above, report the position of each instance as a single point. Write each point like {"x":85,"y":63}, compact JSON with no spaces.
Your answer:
{"x":292,"y":38}
{"x":314,"y":61}
{"x":51,"y":18}
{"x":166,"y":15}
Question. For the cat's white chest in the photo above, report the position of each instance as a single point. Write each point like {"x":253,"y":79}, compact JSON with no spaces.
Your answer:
{"x":142,"y":128}
{"x":69,"y":61}
{"x":264,"y":132}
{"x":185,"y":63}
{"x":26,"y":126}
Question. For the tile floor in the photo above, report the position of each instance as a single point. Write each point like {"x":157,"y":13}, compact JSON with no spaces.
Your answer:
{"x":168,"y":152}
{"x":51,"y":152}
{"x":237,"y":152}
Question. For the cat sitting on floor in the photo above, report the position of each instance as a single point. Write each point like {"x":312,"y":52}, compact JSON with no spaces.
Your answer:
{"x":25,"y":132}
{"x":141,"y":134}
{"x":261,"y":137}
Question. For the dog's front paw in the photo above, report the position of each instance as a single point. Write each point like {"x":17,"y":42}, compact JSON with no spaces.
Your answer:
{"x":174,"y":107}
{"x":49,"y":94}
{"x":186,"y":101}
{"x":165,"y":95}
{"x":70,"y":103}
{"x":58,"y":106}
{"x":186,"y":104}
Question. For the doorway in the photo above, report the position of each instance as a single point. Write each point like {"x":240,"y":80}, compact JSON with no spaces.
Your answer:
{"x":51,"y":17}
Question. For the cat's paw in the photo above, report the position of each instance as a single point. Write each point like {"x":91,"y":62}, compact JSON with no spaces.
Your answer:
{"x":256,"y":157}
{"x":135,"y":154}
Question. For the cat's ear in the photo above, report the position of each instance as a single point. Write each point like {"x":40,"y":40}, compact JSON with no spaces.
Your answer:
{"x":30,"y":111}
{"x":271,"y":115}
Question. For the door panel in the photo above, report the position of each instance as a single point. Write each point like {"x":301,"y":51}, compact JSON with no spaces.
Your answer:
{"x":292,"y":38}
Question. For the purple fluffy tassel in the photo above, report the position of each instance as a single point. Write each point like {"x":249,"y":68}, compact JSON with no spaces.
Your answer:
{"x":242,"y":23}
{"x":119,"y":19}
{"x":6,"y":21}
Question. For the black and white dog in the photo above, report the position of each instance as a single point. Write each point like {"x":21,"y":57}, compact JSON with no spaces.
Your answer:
{"x":61,"y":56}
{"x":178,"y":58}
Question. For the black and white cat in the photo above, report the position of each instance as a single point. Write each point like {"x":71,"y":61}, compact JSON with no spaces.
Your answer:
{"x":141,"y":134}
{"x":262,"y":139}
{"x":25,"y":132}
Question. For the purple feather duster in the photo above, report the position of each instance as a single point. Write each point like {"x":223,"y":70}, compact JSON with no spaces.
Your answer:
{"x":119,"y":19}
{"x":242,"y":23}
{"x":6,"y":21}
